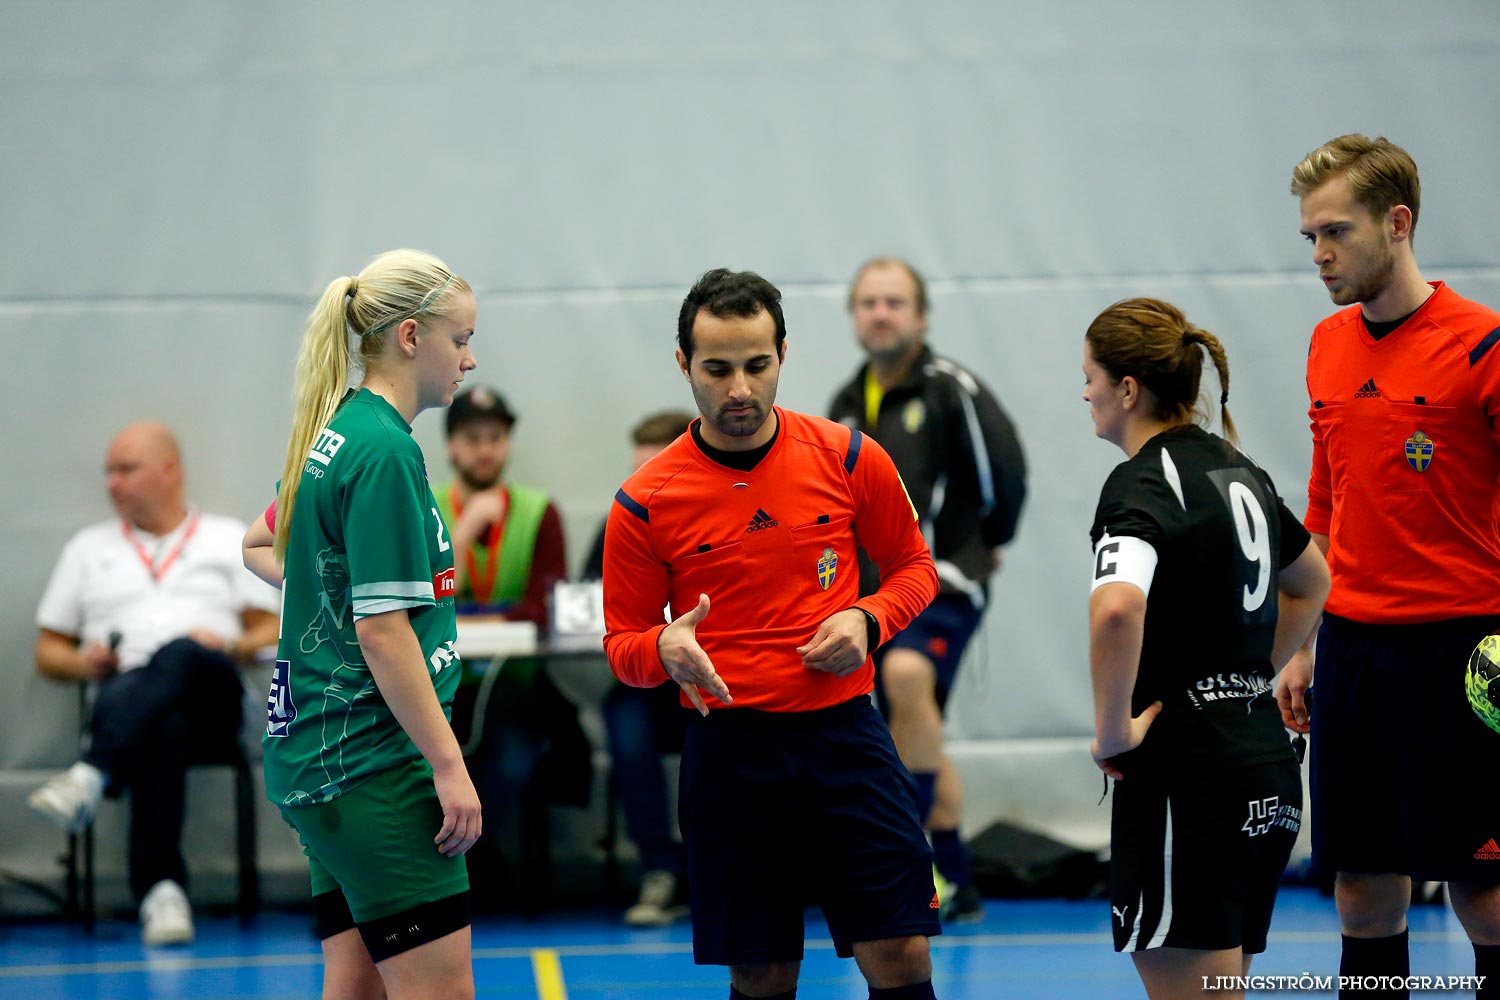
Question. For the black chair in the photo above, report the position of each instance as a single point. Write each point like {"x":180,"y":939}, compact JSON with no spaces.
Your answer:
{"x":78,"y":890}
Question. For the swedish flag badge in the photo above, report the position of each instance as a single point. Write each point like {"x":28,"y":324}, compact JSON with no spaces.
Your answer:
{"x":828,"y":565}
{"x":1419,"y":449}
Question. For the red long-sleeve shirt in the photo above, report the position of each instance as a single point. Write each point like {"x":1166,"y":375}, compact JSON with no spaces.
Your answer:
{"x":773,"y":548}
{"x":1411,"y":520}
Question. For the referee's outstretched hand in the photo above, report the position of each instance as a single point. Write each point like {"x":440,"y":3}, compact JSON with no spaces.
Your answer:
{"x":687,"y":663}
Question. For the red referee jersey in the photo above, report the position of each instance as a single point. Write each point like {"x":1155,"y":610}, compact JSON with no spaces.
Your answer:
{"x":1406,"y":461}
{"x":774,"y":550}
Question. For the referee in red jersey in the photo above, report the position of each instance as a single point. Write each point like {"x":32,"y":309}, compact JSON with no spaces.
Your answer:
{"x":745,"y":528}
{"x":1405,"y":391}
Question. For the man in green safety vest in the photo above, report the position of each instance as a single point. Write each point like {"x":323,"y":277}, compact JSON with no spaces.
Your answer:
{"x":508,"y":538}
{"x":515,"y":725}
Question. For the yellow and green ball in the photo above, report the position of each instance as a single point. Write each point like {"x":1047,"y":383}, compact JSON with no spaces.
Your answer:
{"x":1482,"y":681}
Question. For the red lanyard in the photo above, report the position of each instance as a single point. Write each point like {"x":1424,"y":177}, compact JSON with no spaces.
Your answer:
{"x":483,"y":588}
{"x":157,"y":572}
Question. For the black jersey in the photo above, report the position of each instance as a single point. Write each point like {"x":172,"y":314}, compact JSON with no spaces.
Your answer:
{"x":1221,"y":535}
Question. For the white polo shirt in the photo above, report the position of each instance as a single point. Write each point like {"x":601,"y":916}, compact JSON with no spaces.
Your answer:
{"x":152,"y":588}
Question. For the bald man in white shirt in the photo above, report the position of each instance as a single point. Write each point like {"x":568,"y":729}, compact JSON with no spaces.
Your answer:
{"x":157,"y":608}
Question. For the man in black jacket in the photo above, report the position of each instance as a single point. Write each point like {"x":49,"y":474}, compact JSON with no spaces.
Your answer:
{"x":962,"y":463}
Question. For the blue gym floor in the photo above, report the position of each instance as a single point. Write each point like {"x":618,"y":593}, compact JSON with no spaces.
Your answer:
{"x":1048,"y":949}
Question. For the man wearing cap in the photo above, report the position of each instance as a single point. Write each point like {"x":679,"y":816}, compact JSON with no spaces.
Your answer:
{"x":508,"y":538}
{"x":507,"y":554}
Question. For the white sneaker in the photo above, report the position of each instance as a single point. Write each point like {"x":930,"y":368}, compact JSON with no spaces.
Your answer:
{"x":166,"y":917}
{"x":659,"y":904}
{"x":69,"y":799}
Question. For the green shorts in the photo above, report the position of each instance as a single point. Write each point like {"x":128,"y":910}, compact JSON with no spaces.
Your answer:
{"x":375,"y":842}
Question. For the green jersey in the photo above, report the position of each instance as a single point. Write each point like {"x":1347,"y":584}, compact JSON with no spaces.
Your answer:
{"x":366,"y":538}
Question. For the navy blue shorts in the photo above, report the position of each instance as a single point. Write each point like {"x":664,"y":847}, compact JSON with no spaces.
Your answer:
{"x":1398,"y":758}
{"x":941,"y":633}
{"x":780,"y":811}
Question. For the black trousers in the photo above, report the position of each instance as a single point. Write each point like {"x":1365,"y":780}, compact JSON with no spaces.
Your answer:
{"x":184,"y":706}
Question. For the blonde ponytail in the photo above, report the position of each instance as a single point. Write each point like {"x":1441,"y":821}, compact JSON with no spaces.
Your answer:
{"x":322,"y":377}
{"x":395,"y":286}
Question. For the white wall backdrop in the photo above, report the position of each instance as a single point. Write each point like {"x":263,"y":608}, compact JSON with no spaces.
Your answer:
{"x":179,"y":180}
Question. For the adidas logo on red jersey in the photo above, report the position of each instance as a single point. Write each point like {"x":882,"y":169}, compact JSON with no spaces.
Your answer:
{"x":1488,"y":852}
{"x":760,"y":521}
{"x":1367,"y":391}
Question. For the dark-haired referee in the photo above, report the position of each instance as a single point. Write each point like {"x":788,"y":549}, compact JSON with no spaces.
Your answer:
{"x":791,"y":792}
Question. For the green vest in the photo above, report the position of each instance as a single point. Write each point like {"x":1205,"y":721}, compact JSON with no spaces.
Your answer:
{"x":523,"y":520}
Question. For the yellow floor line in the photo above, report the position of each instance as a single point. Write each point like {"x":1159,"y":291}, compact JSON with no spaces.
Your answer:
{"x":547,"y":970}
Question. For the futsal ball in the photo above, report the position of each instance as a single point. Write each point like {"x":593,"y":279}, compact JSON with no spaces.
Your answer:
{"x":1482,"y":681}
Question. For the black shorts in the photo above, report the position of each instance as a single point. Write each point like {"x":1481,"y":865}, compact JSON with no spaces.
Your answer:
{"x":941,"y":633}
{"x":1195,"y":860}
{"x":389,"y":936}
{"x":1398,"y":756}
{"x":780,"y":811}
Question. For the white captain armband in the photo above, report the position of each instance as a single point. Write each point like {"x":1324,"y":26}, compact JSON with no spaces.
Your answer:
{"x":1122,"y":559}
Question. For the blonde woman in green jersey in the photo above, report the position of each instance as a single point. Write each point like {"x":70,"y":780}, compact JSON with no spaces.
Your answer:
{"x":359,"y":755}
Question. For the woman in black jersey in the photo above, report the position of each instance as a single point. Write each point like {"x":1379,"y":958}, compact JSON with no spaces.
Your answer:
{"x":1204,"y":585}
